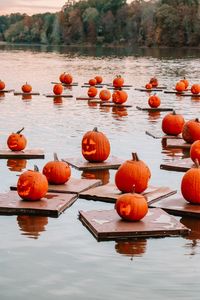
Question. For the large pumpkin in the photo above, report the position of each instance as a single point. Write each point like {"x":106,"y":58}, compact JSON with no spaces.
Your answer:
{"x":32,"y":185}
{"x":172,"y":123}
{"x":195,"y":89}
{"x":154,"y":101}
{"x":191,"y":131}
{"x":57,"y":172}
{"x":68,"y":79}
{"x":26,"y":88}
{"x":105,"y":95}
{"x":153,"y":81}
{"x":58,"y":89}
{"x":119,"y":97}
{"x":131,"y":207}
{"x":180,"y":86}
{"x":195,"y":150}
{"x":17,"y":141}
{"x":92,"y":91}
{"x":95,"y":146}
{"x":99,"y":79}
{"x":190,"y":185}
{"x":132,"y":175}
{"x":2,"y":85}
{"x":118,"y":81}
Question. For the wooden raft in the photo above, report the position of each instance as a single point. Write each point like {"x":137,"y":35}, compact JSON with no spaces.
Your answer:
{"x":87,"y":98}
{"x":107,"y":225}
{"x":181,"y":165}
{"x":73,"y":186}
{"x":65,"y":84}
{"x":83,"y":165}
{"x":98,"y":86}
{"x":28,"y":153}
{"x":154,"y":109}
{"x":177,"y":143}
{"x":110,"y":193}
{"x":6,"y":91}
{"x":51,"y":205}
{"x":26,"y":94}
{"x":184,"y":94}
{"x":58,"y":96}
{"x":161,"y":136}
{"x":149,"y":90}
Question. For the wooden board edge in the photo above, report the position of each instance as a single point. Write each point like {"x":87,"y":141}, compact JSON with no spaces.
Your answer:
{"x":170,"y":193}
{"x":173,"y":168}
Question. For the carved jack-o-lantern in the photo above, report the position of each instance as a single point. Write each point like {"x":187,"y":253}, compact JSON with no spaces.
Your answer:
{"x":95,"y":146}
{"x":17,"y":141}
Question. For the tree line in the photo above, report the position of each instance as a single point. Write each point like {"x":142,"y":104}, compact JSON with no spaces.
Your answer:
{"x":155,"y":23}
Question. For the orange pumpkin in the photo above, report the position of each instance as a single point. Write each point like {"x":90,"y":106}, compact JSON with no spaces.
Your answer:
{"x":58,"y":89}
{"x":92,"y":82}
{"x":57,"y":172}
{"x":32,"y":185}
{"x":172,"y":123}
{"x":68,"y":79}
{"x":2,"y":85}
{"x":99,"y":79}
{"x":118,"y":81}
{"x":191,"y":131}
{"x":132,"y":175}
{"x":180,"y":86}
{"x":186,"y":82}
{"x":190,"y":184}
{"x":195,"y":150}
{"x":105,"y":95}
{"x":17,"y":141}
{"x":26,"y":88}
{"x":195,"y":89}
{"x":131,"y":207}
{"x":95,"y":146}
{"x":154,"y":101}
{"x":148,"y":86}
{"x":61,"y":77}
{"x":92,"y":91}
{"x":119,"y":97}
{"x":153,"y":81}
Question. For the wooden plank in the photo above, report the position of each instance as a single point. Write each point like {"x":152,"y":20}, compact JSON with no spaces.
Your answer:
{"x":64,"y":84}
{"x":177,"y":143}
{"x":26,"y":94}
{"x":174,"y":92}
{"x":51,"y":205}
{"x":27,"y":153}
{"x":98,"y":86}
{"x":118,"y":89}
{"x":110,"y":193}
{"x":124,"y":85}
{"x":107,"y":225}
{"x":58,"y":96}
{"x":111,"y":104}
{"x":154,"y":109}
{"x":161,"y":136}
{"x":149,"y":90}
{"x":6,"y":91}
{"x":87,"y":98}
{"x":179,"y":165}
{"x":83,"y":165}
{"x":73,"y":186}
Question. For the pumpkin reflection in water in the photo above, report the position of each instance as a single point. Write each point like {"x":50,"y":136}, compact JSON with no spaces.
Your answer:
{"x":2,"y":95}
{"x":26,"y":98}
{"x":57,"y":100}
{"x":16,"y":165}
{"x":103,"y":175}
{"x":153,"y":115}
{"x":119,"y":112}
{"x":131,"y":248}
{"x":32,"y":226}
{"x":194,"y":234}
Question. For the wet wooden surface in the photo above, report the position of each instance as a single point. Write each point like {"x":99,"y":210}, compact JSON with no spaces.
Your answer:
{"x":149,"y":90}
{"x":154,"y":109}
{"x":51,"y":205}
{"x":87,"y":98}
{"x":26,"y":94}
{"x":179,"y":165}
{"x":107,"y":225}
{"x":82,"y":164}
{"x":28,"y":153}
{"x":184,"y":94}
{"x":177,"y":143}
{"x":110,"y":193}
{"x":162,"y":135}
{"x":111,"y":104}
{"x":58,"y":96}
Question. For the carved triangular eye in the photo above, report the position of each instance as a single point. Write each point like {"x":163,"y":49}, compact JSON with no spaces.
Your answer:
{"x":91,"y":142}
{"x":85,"y":141}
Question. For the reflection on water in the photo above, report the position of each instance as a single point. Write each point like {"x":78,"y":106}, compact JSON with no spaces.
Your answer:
{"x":119,"y":112}
{"x":154,"y":116}
{"x":175,"y":152}
{"x":103,"y":175}
{"x":2,"y":95}
{"x":58,"y":100}
{"x":16,"y":165}
{"x":32,"y":226}
{"x":194,"y":234}
{"x":26,"y":98}
{"x":131,"y":248}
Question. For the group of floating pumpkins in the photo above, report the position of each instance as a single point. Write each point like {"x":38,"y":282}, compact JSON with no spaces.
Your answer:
{"x":26,"y":88}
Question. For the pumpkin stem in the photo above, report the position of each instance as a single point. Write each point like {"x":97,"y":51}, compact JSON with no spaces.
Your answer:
{"x":135,"y":156}
{"x":196,"y":120}
{"x":133,"y":189}
{"x":55,"y":157}
{"x":95,"y":129}
{"x":196,"y":163}
{"x":36,"y":169}
{"x":19,"y":131}
{"x":173,"y":112}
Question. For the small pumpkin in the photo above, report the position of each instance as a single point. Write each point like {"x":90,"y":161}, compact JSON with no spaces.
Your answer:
{"x":153,"y":81}
{"x":105,"y":95}
{"x":172,"y":123}
{"x":61,"y":77}
{"x":195,"y":150}
{"x":132,"y":174}
{"x":186,"y":82}
{"x":191,"y":131}
{"x":131,"y":207}
{"x":58,"y":89}
{"x":99,"y":79}
{"x":180,"y":86}
{"x":118,"y":81}
{"x":17,"y":141}
{"x":2,"y":85}
{"x":148,"y":86}
{"x":154,"y":101}
{"x":68,"y":79}
{"x":32,"y":185}
{"x":195,"y":89}
{"x":190,"y":184}
{"x":119,"y":97}
{"x":57,"y":172}
{"x":92,"y":82}
{"x":92,"y":91}
{"x":95,"y":146}
{"x":26,"y":88}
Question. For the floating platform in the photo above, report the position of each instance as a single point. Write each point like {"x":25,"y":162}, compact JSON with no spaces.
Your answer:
{"x":26,"y":94}
{"x":151,"y":109}
{"x":58,"y":96}
{"x":124,"y":85}
{"x":87,"y":98}
{"x":6,"y":91}
{"x":110,"y":193}
{"x":177,"y":143}
{"x":51,"y":205}
{"x":73,"y":186}
{"x":107,"y":225}
{"x":28,"y":153}
{"x":184,"y":94}
{"x":149,"y":90}
{"x":181,"y":165}
{"x":118,"y":89}
{"x":83,"y":165}
{"x":112,"y":104}
{"x":64,"y":84}
{"x":161,"y":136}
{"x":98,"y":86}
{"x":98,"y":101}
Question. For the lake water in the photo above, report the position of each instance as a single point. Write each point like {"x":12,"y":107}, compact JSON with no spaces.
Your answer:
{"x":46,"y":258}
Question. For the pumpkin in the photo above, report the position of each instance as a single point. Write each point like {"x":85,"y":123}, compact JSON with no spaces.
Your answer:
{"x":92,"y":82}
{"x":195,"y":150}
{"x":17,"y":141}
{"x":95,"y":146}
{"x":32,"y":225}
{"x":172,"y":123}
{"x":186,"y":82}
{"x":2,"y":85}
{"x":119,"y":97}
{"x":16,"y":165}
{"x":154,"y":101}
{"x":148,"y":86}
{"x":195,"y":89}
{"x":132,"y":175}
{"x":133,"y":248}
{"x":153,"y":81}
{"x":131,"y":207}
{"x":61,"y":77}
{"x":105,"y":95}
{"x":118,"y":81}
{"x":99,"y":79}
{"x":190,"y":184}
{"x":103,"y":175}
{"x":57,"y":172}
{"x":32,"y":185}
{"x":191,"y":131}
{"x":92,"y":91}
{"x":180,"y":86}
{"x":58,"y":89}
{"x":68,"y":79}
{"x":26,"y":88}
